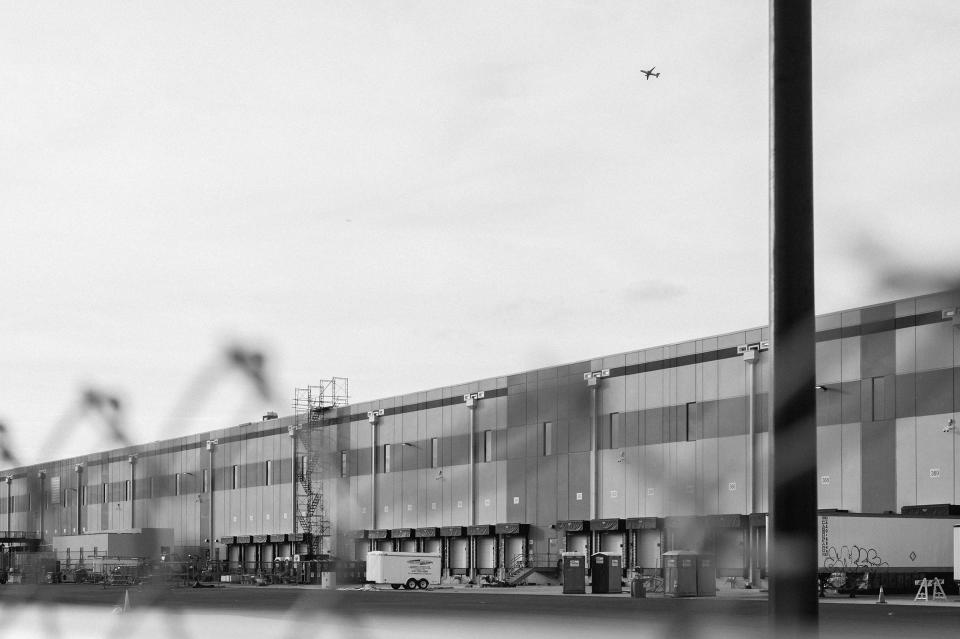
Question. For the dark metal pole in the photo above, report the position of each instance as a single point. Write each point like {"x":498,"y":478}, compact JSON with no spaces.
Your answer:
{"x":9,"y":481}
{"x":81,"y":491}
{"x":211,"y":444}
{"x":793,"y":499}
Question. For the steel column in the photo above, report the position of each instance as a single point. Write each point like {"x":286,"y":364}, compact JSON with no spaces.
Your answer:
{"x":793,"y":454}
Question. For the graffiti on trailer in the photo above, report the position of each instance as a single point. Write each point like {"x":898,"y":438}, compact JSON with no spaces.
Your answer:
{"x":852,"y":557}
{"x":846,"y":556}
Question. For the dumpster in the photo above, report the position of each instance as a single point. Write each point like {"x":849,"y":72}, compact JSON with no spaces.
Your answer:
{"x":574,"y":573}
{"x":637,"y":589}
{"x":680,"y":573}
{"x":706,"y":576}
{"x":605,"y":570}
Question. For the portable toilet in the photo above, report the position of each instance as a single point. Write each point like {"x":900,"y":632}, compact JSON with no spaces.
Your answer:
{"x":680,"y":573}
{"x":706,"y":576}
{"x":605,"y":569}
{"x":574,"y":573}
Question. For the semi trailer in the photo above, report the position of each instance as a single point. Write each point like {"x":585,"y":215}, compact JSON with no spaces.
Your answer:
{"x":864,"y":552}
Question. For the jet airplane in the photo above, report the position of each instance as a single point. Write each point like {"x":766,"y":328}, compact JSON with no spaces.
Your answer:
{"x":650,"y":72}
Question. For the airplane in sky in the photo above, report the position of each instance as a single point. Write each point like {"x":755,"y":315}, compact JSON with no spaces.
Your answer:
{"x":650,"y":72}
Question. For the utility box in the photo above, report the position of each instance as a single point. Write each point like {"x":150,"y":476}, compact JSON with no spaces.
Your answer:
{"x":956,"y":555}
{"x":706,"y":576}
{"x":680,"y":573}
{"x":605,"y":572}
{"x":574,"y":573}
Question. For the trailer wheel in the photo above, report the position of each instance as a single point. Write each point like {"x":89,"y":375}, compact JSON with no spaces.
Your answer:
{"x":422,"y":584}
{"x":395,"y":586}
{"x":411,"y":584}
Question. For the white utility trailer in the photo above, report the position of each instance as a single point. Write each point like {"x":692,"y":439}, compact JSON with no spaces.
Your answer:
{"x":408,"y":569}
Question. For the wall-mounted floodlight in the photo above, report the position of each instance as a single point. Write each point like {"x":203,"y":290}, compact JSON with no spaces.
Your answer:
{"x":951,"y":424}
{"x":470,"y":399}
{"x":601,"y":373}
{"x":755,"y":346}
{"x":821,"y":387}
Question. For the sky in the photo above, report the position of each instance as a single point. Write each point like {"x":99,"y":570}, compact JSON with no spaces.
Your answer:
{"x":418,"y":194}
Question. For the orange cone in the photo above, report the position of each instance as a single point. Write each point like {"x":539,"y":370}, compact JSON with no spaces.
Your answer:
{"x":881,"y":599}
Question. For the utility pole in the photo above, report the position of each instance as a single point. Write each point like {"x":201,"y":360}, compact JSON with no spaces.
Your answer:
{"x":793,"y":433}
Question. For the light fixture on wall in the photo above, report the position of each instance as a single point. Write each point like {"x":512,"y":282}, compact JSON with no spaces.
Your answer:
{"x":951,"y":424}
{"x":821,"y":387}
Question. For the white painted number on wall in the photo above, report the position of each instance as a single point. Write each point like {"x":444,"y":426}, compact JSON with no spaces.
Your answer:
{"x":459,"y":504}
{"x":613,"y":494}
{"x":486,"y":502}
{"x":649,"y":492}
{"x":516,"y":500}
{"x":579,"y":496}
{"x":935,"y":473}
{"x":824,"y":480}
{"x":732,"y":486}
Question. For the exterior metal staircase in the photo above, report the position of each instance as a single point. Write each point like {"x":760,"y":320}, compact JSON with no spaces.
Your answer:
{"x":312,"y":448}
{"x":521,"y":567}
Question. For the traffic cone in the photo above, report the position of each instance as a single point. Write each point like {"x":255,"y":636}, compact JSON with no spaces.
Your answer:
{"x":881,"y":599}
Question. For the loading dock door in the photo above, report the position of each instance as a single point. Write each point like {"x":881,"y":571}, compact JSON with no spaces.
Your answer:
{"x":648,"y":550}
{"x":578,"y":543}
{"x":233,"y":556}
{"x":362,"y":548}
{"x":486,"y":554}
{"x":408,"y":545}
{"x":433,"y":545}
{"x":514,"y":549}
{"x":459,"y":555}
{"x":249,"y":557}
{"x":730,"y":559}
{"x":266,"y":555}
{"x":612,"y":542}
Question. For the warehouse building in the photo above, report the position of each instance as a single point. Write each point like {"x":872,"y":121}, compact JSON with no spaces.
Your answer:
{"x":637,"y":453}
